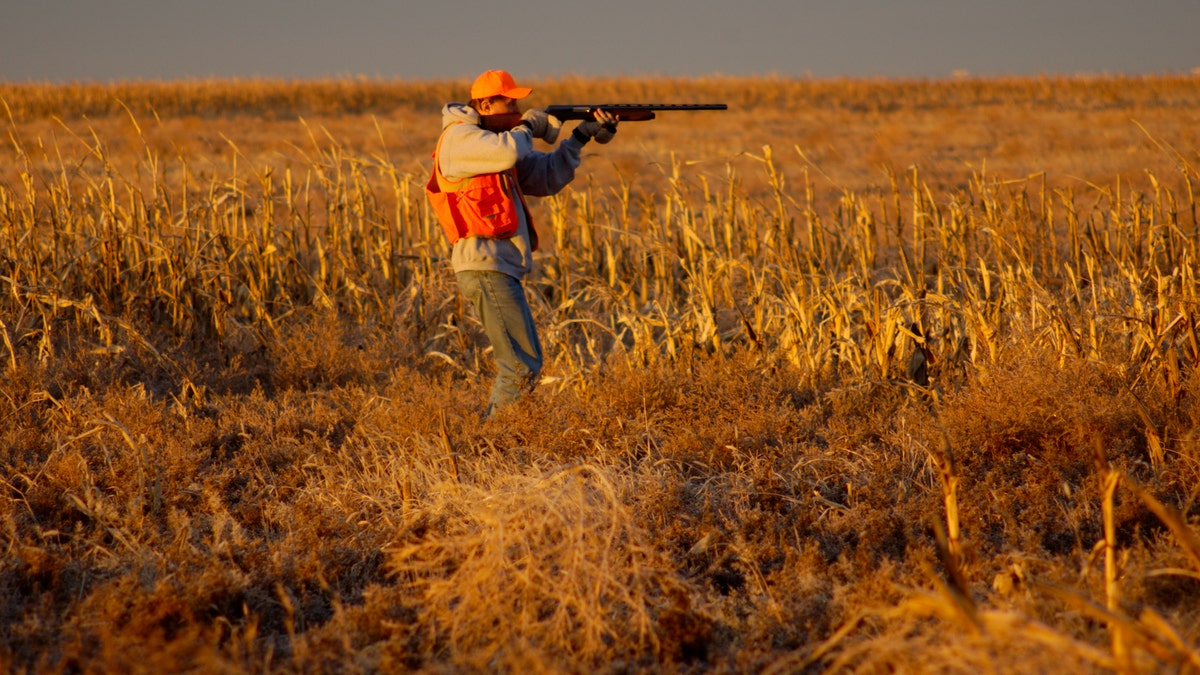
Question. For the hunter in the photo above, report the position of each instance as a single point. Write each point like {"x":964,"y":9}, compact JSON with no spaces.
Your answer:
{"x":484,"y":168}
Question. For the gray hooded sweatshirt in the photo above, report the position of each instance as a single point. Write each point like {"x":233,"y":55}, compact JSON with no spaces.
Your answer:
{"x":469,"y":150}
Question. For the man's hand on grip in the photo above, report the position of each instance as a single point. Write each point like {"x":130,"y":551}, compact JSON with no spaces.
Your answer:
{"x":603,"y":128}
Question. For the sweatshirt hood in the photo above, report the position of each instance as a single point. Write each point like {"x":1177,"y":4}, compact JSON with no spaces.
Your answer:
{"x":453,"y":113}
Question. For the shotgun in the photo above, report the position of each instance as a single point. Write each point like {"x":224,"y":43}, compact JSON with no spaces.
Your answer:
{"x":624,"y":112}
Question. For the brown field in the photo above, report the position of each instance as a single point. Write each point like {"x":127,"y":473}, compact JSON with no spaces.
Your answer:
{"x":865,"y":376}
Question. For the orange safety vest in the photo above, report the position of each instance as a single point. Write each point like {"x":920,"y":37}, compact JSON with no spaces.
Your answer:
{"x":480,"y":206}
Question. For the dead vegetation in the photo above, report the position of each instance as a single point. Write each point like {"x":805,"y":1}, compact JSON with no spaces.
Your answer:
{"x":859,"y":376}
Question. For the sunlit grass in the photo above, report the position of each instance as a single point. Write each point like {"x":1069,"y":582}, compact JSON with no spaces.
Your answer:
{"x":800,"y":410}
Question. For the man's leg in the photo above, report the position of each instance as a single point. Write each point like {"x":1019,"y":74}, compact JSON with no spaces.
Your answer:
{"x":499,"y":301}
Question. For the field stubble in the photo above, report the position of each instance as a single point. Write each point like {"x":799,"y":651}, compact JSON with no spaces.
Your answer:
{"x":859,"y":375}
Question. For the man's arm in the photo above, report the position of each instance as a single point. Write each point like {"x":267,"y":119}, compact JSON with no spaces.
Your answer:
{"x":546,"y":173}
{"x":467,"y":150}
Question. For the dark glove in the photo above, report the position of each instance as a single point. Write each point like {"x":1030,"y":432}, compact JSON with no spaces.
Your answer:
{"x":601,"y":132}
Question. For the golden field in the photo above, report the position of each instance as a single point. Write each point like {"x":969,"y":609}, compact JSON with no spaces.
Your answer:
{"x":860,"y":375}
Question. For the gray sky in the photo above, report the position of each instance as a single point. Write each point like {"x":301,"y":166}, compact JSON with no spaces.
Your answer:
{"x":90,"y":40}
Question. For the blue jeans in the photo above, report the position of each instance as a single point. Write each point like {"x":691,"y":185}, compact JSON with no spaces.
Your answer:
{"x":500,"y":304}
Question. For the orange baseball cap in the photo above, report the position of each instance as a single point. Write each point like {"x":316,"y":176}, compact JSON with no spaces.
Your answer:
{"x":497,"y":83}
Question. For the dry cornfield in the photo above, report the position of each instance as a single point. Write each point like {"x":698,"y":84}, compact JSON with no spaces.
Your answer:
{"x":860,"y":375}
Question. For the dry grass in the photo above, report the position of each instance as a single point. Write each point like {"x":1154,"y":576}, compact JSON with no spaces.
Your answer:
{"x":539,"y":569}
{"x":859,"y":376}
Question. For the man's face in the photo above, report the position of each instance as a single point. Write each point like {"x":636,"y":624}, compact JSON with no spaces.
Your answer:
{"x":498,"y":105}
